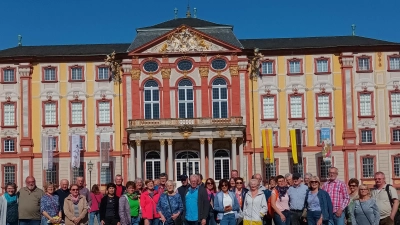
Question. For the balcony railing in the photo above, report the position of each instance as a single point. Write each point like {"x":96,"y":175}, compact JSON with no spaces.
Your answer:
{"x":232,"y":121}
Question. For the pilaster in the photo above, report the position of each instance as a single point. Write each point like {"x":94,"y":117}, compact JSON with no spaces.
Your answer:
{"x":26,"y":142}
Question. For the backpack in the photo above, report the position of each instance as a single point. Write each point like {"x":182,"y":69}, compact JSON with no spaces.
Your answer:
{"x":397,"y":216}
{"x":271,"y":210}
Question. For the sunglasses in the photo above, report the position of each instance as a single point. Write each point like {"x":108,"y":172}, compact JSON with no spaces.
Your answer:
{"x":74,"y":189}
{"x":224,"y":185}
{"x":363,"y":189}
{"x":209,"y":183}
{"x":352,"y":185}
{"x":314,"y":182}
{"x":239,"y":182}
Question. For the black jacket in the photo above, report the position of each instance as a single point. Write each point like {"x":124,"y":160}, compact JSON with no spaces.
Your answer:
{"x":103,"y":207}
{"x":203,"y":204}
{"x":244,"y":191}
{"x":62,"y":195}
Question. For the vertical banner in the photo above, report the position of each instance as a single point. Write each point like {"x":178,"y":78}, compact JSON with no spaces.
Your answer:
{"x":326,"y":143}
{"x":45,"y":155}
{"x":105,"y":149}
{"x":299,"y":143}
{"x":292,"y":133}
{"x":50,"y":149}
{"x":75,"y":151}
{"x":267,"y":142}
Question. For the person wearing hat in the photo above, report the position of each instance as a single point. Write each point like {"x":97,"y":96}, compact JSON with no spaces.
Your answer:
{"x":182,"y":189}
{"x":297,"y":195}
{"x":109,"y":206}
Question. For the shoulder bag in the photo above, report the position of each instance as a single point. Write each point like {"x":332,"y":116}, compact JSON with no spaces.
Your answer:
{"x":178,"y":220}
{"x":365,"y":213}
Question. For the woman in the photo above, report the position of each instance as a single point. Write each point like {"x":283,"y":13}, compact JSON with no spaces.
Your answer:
{"x":280,"y":202}
{"x":139,"y":185}
{"x":50,"y":205}
{"x":240,"y":191}
{"x":96,"y":197}
{"x":129,"y":206}
{"x":148,"y":203}
{"x":365,"y":211}
{"x":9,"y":205}
{"x":211,"y":191}
{"x":75,"y":207}
{"x":109,"y":206}
{"x":170,"y":205}
{"x":226,"y":204}
{"x":255,"y":205}
{"x":232,"y":183}
{"x":353,"y":187}
{"x":318,"y":204}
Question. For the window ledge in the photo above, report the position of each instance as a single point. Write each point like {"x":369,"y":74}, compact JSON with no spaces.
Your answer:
{"x":105,"y":80}
{"x":367,"y":143}
{"x":368,"y":117}
{"x":367,"y":179}
{"x":394,"y":70}
{"x":295,"y":74}
{"x":272,"y":119}
{"x":302,"y":118}
{"x":9,"y":127}
{"x":322,"y":73}
{"x":3,"y":82}
{"x":77,"y":125}
{"x":324,"y":118}
{"x":364,"y":71}
{"x":49,"y":81}
{"x":104,"y":124}
{"x":395,"y":143}
{"x":394,"y":115}
{"x":55,"y":125}
{"x":268,"y":74}
{"x":76,"y":80}
{"x":9,"y":153}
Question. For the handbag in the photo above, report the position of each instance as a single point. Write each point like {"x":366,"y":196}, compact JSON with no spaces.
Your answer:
{"x":178,"y":220}
{"x":304,"y":213}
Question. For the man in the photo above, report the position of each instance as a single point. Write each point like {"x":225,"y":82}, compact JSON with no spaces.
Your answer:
{"x":260,"y":181}
{"x":195,"y":203}
{"x":161,"y":186}
{"x":307,"y":177}
{"x":120,"y":189}
{"x":29,"y":203}
{"x":182,"y":189}
{"x":337,"y":190}
{"x":200,"y":177}
{"x":297,"y":194}
{"x":289,"y":179}
{"x":387,"y":209}
{"x":63,"y":193}
{"x":234,"y":174}
{"x":80,"y":181}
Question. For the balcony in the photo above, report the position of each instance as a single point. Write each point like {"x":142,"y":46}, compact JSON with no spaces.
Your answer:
{"x":172,"y":122}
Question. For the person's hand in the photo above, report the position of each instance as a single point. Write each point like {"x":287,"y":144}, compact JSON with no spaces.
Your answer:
{"x":305,"y":220}
{"x":339,"y":212}
{"x":162,"y":218}
{"x":76,"y":221}
{"x":174,"y":216}
{"x":392,"y":217}
{"x":102,"y":222}
{"x":283,"y":218}
{"x":319,"y":222}
{"x":228,"y":208}
{"x":118,"y":223}
{"x":203,"y":222}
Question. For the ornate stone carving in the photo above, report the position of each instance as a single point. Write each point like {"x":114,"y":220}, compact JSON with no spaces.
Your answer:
{"x":138,"y":142}
{"x":202,"y":141}
{"x":203,"y":71}
{"x":380,"y":59}
{"x":394,"y":122}
{"x":234,"y":70}
{"x":297,"y":124}
{"x":346,"y":61}
{"x":221,"y":132}
{"x":366,"y":123}
{"x":169,"y":141}
{"x":9,"y":132}
{"x":186,"y":131}
{"x":51,"y":131}
{"x":104,"y":130}
{"x":150,"y":134}
{"x":324,"y":124}
{"x":49,"y":95}
{"x":135,"y":74}
{"x":77,"y":130}
{"x":209,"y":140}
{"x":269,"y":125}
{"x":103,"y":94}
{"x":75,"y":95}
{"x":185,"y":41}
{"x":233,"y":140}
{"x":8,"y":96}
{"x":166,"y":73}
{"x":162,"y":142}
{"x":25,"y":70}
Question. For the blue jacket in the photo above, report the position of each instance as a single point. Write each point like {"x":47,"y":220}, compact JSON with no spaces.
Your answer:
{"x":325,"y":203}
{"x":219,"y":204}
{"x":244,"y":191}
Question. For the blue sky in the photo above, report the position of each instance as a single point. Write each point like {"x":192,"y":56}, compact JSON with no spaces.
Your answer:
{"x":52,"y":22}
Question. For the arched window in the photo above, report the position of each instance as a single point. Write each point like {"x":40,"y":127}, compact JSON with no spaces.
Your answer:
{"x":187,"y":162}
{"x":220,"y":98}
{"x":185,"y":99}
{"x":222,"y":164}
{"x":151,"y":100}
{"x":153,"y":165}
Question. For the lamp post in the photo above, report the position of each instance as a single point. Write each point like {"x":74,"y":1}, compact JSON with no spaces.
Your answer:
{"x":90,"y":169}
{"x":254,"y":71}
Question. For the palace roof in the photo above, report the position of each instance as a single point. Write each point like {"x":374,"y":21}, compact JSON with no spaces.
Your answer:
{"x":192,"y":22}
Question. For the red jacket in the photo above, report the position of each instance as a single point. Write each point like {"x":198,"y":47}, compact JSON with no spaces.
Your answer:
{"x":149,"y":205}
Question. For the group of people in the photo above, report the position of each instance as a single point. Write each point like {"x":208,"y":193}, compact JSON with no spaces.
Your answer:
{"x":281,"y":200}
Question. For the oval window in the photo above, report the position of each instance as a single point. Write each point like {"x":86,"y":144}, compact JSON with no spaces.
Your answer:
{"x":218,"y":64}
{"x":150,"y":66}
{"x":185,"y":65}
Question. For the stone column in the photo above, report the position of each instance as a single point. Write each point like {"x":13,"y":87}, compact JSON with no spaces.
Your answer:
{"x":202,"y":157}
{"x":132,"y":164}
{"x":233,"y":153}
{"x":170,"y":159}
{"x":210,"y":158}
{"x":139,"y":163}
{"x":241,"y":159}
{"x":162,"y":155}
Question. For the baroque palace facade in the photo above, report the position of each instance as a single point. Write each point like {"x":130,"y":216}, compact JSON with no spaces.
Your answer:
{"x":189,"y":105}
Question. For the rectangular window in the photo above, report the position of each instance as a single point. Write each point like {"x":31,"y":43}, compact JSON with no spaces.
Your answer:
{"x":368,"y":167}
{"x":364,"y":64}
{"x":9,"y":174}
{"x":9,"y":114}
{"x":78,"y":172}
{"x":267,"y":68}
{"x":53,"y":143}
{"x":270,"y":169}
{"x":297,"y":168}
{"x":82,"y":143}
{"x":9,"y":145}
{"x":324,"y":169}
{"x":52,"y":174}
{"x":394,"y":63}
{"x":295,"y":66}
{"x":323,"y":105}
{"x":395,"y":103}
{"x":106,"y":174}
{"x":296,"y":106}
{"x":104,"y":113}
{"x":76,"y":112}
{"x":9,"y":75}
{"x":50,"y":113}
{"x":322,"y":66}
{"x":50,"y":74}
{"x":396,"y":166}
{"x":268,"y":107}
{"x":77,"y":73}
{"x":365,"y":104}
{"x":102,"y":73}
{"x":366,"y":136}
{"x":396,"y":135}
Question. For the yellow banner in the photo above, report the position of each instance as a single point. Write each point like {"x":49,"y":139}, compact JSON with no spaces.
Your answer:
{"x":264,"y":143}
{"x":268,"y":147}
{"x":294,"y":145}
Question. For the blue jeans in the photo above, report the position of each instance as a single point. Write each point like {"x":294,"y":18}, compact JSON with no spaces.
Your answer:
{"x":228,"y":219}
{"x":337,"y":220}
{"x":92,"y":215}
{"x":154,"y":221}
{"x":14,"y":223}
{"x":135,"y":220}
{"x":277,"y":218}
{"x":314,"y":216}
{"x":211,"y":219}
{"x":29,"y":222}
{"x":187,"y":222}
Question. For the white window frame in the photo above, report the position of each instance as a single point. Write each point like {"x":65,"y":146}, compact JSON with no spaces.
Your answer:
{"x":395,"y":103}
{"x":50,"y":74}
{"x":396,"y":135}
{"x":9,"y":145}
{"x":77,"y":73}
{"x":368,"y":167}
{"x":106,"y":174}
{"x":365,"y":135}
{"x":394,"y":63}
{"x":324,"y":169}
{"x":366,"y":104}
{"x":186,"y":102}
{"x":224,"y":171}
{"x":78,"y":172}
{"x":52,"y":174}
{"x":294,"y":66}
{"x":364,"y":64}
{"x":152,"y":102}
{"x":220,"y":88}
{"x":396,"y":166}
{"x":9,"y":173}
{"x":323,"y":105}
{"x":189,"y":163}
{"x":104,"y":112}
{"x":77,"y":112}
{"x":271,"y":169}
{"x":50,"y":116}
{"x":267,"y":67}
{"x":268,"y":106}
{"x":9,"y":114}
{"x":322,"y":65}
{"x":103,"y":73}
{"x":153,"y":173}
{"x":8,"y":75}
{"x":296,"y":112}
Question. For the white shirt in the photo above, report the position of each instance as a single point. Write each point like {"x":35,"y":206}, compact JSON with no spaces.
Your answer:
{"x":227,"y":201}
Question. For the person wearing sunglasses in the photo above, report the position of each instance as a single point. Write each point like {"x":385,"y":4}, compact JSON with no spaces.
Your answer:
{"x":365,"y":210}
{"x":75,"y":207}
{"x":226,"y":204}
{"x":211,"y":192}
{"x":240,"y":191}
{"x":353,"y":187}
{"x":318,"y":204}
{"x":255,"y":204}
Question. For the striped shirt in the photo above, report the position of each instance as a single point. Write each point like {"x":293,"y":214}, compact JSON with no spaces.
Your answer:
{"x":337,"y":190}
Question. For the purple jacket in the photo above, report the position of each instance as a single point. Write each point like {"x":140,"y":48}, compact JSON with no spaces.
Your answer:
{"x":124,"y":211}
